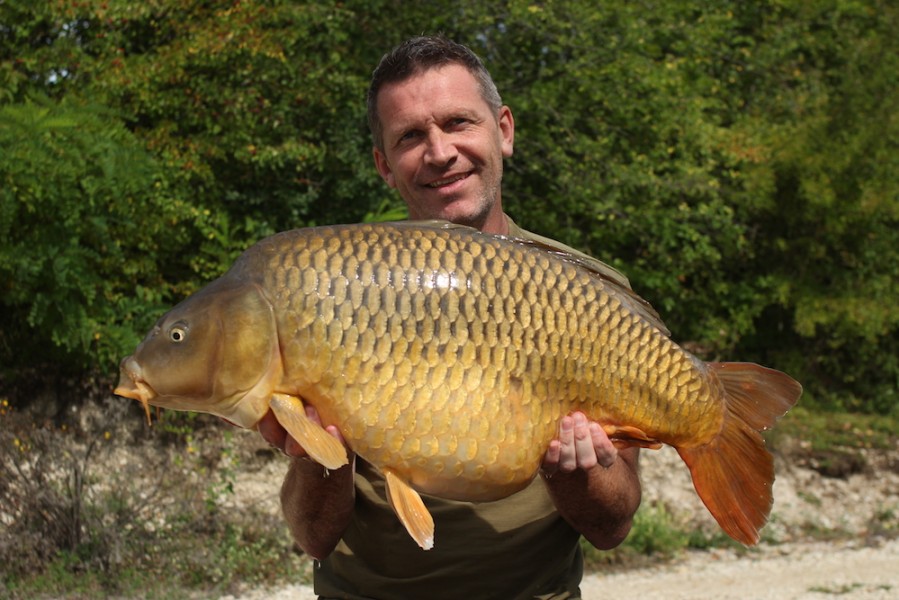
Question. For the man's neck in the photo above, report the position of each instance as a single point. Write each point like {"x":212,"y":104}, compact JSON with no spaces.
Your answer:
{"x":496,"y":222}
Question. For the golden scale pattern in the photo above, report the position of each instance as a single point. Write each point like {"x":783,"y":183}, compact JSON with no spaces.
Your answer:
{"x":449,"y":352}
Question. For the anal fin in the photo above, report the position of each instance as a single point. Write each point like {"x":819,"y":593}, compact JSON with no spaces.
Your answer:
{"x":410,"y":509}
{"x":625,"y":436}
{"x":321,"y":446}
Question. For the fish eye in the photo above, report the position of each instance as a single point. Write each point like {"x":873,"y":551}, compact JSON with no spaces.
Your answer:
{"x":177,"y":334}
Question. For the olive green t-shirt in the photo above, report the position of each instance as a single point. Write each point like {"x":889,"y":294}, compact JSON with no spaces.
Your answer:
{"x":515,"y":548}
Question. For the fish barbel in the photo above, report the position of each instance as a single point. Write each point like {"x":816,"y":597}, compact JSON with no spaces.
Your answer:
{"x":446,"y":358}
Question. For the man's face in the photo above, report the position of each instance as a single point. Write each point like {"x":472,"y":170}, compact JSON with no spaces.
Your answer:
{"x":444,"y":146}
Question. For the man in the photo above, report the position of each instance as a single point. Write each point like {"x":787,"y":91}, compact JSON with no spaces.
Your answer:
{"x":440,"y":134}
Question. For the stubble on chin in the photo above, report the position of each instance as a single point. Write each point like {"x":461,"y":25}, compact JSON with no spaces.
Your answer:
{"x":474,"y":217}
{"x":473,"y":214}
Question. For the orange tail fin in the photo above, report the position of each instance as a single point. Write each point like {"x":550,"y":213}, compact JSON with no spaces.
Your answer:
{"x":734,"y":472}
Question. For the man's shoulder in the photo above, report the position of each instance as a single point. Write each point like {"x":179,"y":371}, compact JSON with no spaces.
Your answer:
{"x":515,"y":231}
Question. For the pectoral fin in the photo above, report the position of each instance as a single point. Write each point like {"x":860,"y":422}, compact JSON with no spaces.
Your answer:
{"x":624,"y":436}
{"x":410,"y":509}
{"x":321,"y":446}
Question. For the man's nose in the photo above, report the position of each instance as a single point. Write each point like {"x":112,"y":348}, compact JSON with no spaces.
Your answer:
{"x":441,"y":148}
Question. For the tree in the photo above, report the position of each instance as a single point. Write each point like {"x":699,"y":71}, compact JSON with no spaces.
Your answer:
{"x":85,"y":224}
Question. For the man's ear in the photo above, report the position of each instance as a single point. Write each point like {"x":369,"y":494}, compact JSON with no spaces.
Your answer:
{"x":383,"y":167}
{"x":507,"y":130}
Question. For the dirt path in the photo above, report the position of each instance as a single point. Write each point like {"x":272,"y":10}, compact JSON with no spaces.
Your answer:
{"x":791,"y":572}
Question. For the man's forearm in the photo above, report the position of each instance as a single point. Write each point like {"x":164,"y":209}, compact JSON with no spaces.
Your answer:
{"x":599,"y":503}
{"x":316,"y":505}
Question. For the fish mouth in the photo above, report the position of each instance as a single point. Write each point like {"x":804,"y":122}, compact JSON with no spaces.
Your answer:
{"x":133,"y":386}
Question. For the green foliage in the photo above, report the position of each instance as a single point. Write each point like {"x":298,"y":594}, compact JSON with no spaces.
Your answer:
{"x":825,"y":198}
{"x":656,"y":535}
{"x":83,"y":227}
{"x":737,"y":161}
{"x":254,"y":104}
{"x":825,"y":430}
{"x":655,"y":532}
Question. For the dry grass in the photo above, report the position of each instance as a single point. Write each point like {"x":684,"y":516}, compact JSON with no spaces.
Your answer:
{"x":101,"y":505}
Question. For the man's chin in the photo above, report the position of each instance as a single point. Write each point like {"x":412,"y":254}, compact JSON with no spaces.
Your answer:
{"x":464,"y":212}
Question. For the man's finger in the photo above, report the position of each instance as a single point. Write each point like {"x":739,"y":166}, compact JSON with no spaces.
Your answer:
{"x":604,"y":449}
{"x":292,"y":448}
{"x":312,"y":414}
{"x":551,"y":458}
{"x":271,"y":431}
{"x":585,"y":454}
{"x":567,"y":450}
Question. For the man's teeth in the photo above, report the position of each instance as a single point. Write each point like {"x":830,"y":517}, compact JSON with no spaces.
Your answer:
{"x":443,"y":182}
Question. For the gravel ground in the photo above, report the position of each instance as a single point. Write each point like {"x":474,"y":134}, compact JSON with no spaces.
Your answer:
{"x":790,"y":572}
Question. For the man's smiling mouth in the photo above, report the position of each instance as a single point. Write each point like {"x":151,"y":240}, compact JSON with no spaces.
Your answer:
{"x":449,"y":180}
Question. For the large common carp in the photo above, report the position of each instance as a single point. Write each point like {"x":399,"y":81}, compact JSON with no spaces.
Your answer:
{"x":446,"y":357}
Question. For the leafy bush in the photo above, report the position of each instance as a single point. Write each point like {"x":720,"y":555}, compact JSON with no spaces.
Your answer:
{"x":84,"y":229}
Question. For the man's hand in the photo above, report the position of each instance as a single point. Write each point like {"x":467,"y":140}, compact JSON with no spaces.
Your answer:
{"x":599,"y":503}
{"x":277,"y":437}
{"x":581,"y":444}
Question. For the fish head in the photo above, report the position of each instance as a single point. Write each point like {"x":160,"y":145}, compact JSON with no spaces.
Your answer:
{"x":215,"y":352}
